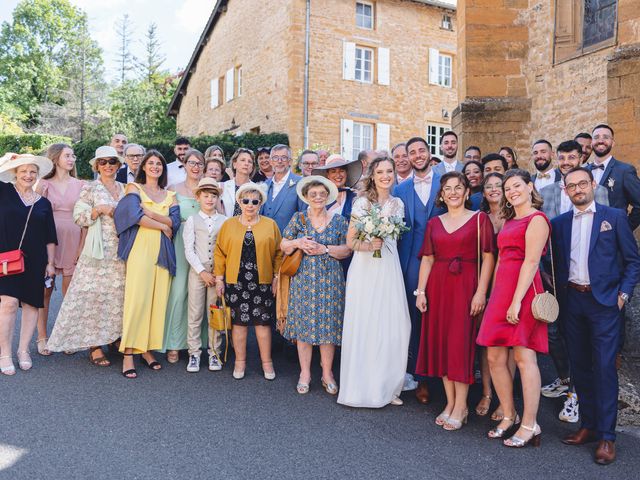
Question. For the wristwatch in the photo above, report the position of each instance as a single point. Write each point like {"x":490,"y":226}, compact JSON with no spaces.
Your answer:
{"x":326,"y":249}
{"x":624,"y":296}
{"x":418,"y":292}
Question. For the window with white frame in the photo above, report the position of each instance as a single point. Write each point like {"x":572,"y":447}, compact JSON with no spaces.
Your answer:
{"x":362,"y":138}
{"x":440,"y":68}
{"x":364,"y":15}
{"x":239,"y":81}
{"x":434,"y":134}
{"x":364,"y":65}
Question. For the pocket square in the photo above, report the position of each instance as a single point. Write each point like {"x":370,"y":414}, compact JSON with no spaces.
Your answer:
{"x":605,"y":226}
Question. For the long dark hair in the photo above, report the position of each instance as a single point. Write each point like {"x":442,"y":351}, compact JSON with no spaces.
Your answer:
{"x":484,"y":205}
{"x":141,"y":177}
{"x":440,"y":203}
{"x":369,"y":187}
{"x":513,"y":156}
{"x":506,"y":209}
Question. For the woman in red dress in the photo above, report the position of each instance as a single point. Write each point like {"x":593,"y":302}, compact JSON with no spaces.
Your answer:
{"x":508,"y":320}
{"x":455,"y":295}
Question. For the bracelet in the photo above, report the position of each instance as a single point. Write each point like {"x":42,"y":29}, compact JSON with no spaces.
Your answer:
{"x":276,"y":276}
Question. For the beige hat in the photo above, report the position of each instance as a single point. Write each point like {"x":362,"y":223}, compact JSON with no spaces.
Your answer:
{"x":207,"y":183}
{"x":10,"y":161}
{"x":105,"y":151}
{"x":333,"y":190}
{"x":251,"y":186}
{"x":353,"y":168}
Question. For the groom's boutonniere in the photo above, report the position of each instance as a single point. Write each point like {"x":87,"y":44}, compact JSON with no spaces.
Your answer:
{"x":291,"y":183}
{"x":610,"y":183}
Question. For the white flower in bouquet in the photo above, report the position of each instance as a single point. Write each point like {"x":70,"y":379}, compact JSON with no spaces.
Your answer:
{"x":375,"y":225}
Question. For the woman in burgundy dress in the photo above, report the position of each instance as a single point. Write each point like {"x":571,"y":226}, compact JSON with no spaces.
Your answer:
{"x":508,"y":320}
{"x":455,"y":295}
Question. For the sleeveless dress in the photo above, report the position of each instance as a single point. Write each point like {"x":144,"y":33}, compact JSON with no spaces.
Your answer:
{"x":375,"y":335}
{"x":447,"y":342}
{"x":66,"y":229}
{"x":495,"y":331}
{"x":146,"y":286}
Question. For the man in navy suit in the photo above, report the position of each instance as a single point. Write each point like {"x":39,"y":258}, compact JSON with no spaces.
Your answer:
{"x":619,"y":178}
{"x":597,"y":266}
{"x":133,"y":154}
{"x":542,"y":159}
{"x":282,"y":199}
{"x":418,"y":195}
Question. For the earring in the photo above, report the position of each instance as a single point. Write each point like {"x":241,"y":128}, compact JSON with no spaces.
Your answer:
{"x":441,"y":199}
{"x":508,"y":205}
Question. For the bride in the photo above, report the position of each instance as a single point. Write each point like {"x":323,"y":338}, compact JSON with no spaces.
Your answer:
{"x":376,"y":330}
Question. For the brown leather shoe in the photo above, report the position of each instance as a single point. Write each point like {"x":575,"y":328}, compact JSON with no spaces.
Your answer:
{"x":580,"y":437}
{"x":422,"y":393}
{"x":605,"y":453}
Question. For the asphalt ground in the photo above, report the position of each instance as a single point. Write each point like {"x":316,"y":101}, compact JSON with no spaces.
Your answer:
{"x":68,"y":419}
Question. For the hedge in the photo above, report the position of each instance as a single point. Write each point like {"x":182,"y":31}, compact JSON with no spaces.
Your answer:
{"x":85,"y":150}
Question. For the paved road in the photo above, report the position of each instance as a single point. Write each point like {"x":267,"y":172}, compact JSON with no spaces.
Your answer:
{"x":67,"y":419}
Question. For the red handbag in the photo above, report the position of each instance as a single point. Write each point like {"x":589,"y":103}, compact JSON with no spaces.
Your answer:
{"x":12,"y":262}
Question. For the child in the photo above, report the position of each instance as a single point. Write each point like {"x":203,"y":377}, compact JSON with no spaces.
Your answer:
{"x":200,"y":232}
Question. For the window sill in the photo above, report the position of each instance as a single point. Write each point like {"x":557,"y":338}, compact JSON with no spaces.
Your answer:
{"x":585,"y":53}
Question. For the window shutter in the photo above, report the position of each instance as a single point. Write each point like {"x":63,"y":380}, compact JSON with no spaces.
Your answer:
{"x":214,"y":93}
{"x":346,"y":139}
{"x":382,"y":136}
{"x":568,"y":29}
{"x":349,"y":61}
{"x":228,"y":85}
{"x":383,"y":66}
{"x":434,"y":55}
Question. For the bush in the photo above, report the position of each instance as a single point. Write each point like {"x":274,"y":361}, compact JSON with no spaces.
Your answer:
{"x":29,"y":143}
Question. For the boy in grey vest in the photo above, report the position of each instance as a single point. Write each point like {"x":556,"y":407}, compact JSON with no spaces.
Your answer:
{"x":200,"y":232}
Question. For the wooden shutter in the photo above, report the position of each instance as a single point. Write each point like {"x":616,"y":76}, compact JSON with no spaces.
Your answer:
{"x":568,"y":34}
{"x":214,"y":93}
{"x":228,"y":85}
{"x":434,"y":55}
{"x":383,"y":66}
{"x":346,"y":139}
{"x":382,"y":136}
{"x":349,"y":61}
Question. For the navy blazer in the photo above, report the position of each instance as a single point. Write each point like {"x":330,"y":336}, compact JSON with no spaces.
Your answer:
{"x":122,"y":175}
{"x":285,"y":205}
{"x":622,"y":182}
{"x":614,"y":262}
{"x":405,"y":192}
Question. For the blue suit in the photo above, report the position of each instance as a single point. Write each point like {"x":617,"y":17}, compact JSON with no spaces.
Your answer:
{"x":416,"y":216}
{"x":591,"y":318}
{"x":440,"y":170}
{"x":346,"y":213}
{"x":286,"y":203}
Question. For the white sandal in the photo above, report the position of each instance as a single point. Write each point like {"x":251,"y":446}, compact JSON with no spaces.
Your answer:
{"x":42,"y":347}
{"x":25,"y":363}
{"x":9,"y":370}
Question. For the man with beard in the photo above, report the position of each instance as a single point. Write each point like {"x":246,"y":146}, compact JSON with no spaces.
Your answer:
{"x":418,"y":195}
{"x":472,"y":153}
{"x":619,"y":178}
{"x":542,"y":158}
{"x":265,"y":170}
{"x":175,"y":170}
{"x":401,"y":160}
{"x":584,"y":139}
{"x":449,"y":147}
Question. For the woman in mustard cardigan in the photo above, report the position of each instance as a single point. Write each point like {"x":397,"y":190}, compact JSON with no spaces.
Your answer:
{"x":246,"y":261}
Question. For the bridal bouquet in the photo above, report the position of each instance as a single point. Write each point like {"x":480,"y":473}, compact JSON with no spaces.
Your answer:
{"x":375,"y":225}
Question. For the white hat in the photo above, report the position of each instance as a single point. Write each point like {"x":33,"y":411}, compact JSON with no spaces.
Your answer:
{"x":10,"y":161}
{"x":333,"y":190}
{"x":105,"y":151}
{"x":251,"y":186}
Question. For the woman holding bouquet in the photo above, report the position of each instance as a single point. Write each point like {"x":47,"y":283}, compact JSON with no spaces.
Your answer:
{"x":375,"y":336}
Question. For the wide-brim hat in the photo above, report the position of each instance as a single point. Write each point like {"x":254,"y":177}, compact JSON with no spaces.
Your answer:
{"x":353,"y":168}
{"x":105,"y":151}
{"x":333,"y":190}
{"x":10,"y":161}
{"x":207,"y":183}
{"x":250,"y":186}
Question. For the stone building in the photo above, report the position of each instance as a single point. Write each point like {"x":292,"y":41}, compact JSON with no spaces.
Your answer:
{"x":531,"y":69}
{"x":379,"y":71}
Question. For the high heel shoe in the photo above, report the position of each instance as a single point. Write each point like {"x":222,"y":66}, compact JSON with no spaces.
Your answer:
{"x":441,"y":419}
{"x":131,"y":373}
{"x":25,"y":362}
{"x":452,"y":424}
{"x":152,"y":365}
{"x":42,"y":347}
{"x":498,"y":432}
{"x":482,"y":411}
{"x":534,"y":439}
{"x":303,"y":387}
{"x":330,"y":387}
{"x":269,"y":375}
{"x":9,"y":369}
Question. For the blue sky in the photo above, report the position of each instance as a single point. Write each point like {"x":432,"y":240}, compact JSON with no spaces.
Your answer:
{"x":180,"y":23}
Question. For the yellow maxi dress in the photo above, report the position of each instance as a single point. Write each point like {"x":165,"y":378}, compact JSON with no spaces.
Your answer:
{"x":146,"y":286}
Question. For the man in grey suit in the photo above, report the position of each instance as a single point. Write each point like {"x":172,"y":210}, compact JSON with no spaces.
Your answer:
{"x":449,"y":147}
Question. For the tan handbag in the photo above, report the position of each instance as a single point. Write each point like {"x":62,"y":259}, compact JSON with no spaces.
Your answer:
{"x":291,"y":263}
{"x":544,"y":306}
{"x":220,"y":319}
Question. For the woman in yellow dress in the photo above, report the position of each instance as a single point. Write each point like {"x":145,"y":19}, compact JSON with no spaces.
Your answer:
{"x":147,"y":218}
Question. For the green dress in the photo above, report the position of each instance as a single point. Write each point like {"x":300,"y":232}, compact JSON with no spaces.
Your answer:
{"x":175,"y":325}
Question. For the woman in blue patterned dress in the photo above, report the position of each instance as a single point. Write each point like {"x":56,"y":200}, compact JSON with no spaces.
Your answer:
{"x":316,"y":295}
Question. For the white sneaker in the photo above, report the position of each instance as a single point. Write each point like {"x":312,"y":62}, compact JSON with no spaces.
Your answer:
{"x":215,"y":364}
{"x":555,"y":389}
{"x":570,"y":412}
{"x":194,"y":364}
{"x":409,"y":383}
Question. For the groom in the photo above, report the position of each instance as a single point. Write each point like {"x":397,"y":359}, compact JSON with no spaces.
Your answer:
{"x":418,"y":195}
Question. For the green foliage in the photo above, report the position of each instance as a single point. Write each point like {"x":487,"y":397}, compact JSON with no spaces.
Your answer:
{"x":8,"y":126}
{"x":29,"y":143}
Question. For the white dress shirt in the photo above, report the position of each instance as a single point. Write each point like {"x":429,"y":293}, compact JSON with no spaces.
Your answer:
{"x":599,"y":172}
{"x":213,"y":223}
{"x":400,"y":179}
{"x":565,"y":201}
{"x":450,"y":167}
{"x":277,"y":186}
{"x":540,"y":183}
{"x":580,"y":243}
{"x":422,"y":186}
{"x":176,"y":173}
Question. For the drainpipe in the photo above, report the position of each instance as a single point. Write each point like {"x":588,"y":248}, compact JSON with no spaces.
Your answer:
{"x":306,"y":77}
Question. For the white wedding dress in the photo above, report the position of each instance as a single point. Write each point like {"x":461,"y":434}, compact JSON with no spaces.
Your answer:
{"x":375,"y":337}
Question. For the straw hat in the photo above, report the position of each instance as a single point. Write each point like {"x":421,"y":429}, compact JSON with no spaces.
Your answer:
{"x":251,"y":186}
{"x":353,"y":168}
{"x":10,"y":161}
{"x":333,"y":190}
{"x":105,"y":152}
{"x":207,"y":183}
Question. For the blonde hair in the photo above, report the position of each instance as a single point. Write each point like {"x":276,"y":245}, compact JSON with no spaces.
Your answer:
{"x":369,"y":190}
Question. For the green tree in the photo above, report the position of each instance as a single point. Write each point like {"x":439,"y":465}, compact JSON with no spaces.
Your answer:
{"x":151,"y":63}
{"x":124,"y":58}
{"x":39,"y":55}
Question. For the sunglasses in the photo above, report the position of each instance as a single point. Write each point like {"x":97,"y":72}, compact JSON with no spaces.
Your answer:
{"x":111,"y":161}
{"x":252,"y":201}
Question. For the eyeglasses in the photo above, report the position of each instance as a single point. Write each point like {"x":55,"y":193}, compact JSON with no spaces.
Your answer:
{"x":111,"y":161}
{"x":194,"y":164}
{"x":252,"y":201}
{"x":497,"y":186}
{"x":309,"y":164}
{"x":133,"y":155}
{"x":283,"y":158}
{"x":571,"y":187}
{"x":318,"y":195}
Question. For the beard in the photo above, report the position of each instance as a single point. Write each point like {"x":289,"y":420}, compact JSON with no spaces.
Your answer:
{"x":604,"y":153}
{"x":421,"y":170}
{"x":542,"y":167}
{"x":585,"y":200}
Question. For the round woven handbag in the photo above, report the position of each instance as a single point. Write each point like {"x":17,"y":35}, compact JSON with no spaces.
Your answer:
{"x":544,"y":306}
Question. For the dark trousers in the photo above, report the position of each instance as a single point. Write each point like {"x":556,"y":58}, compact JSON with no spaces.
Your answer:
{"x":558,"y":349}
{"x":592,"y":336}
{"x":410,"y":284}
